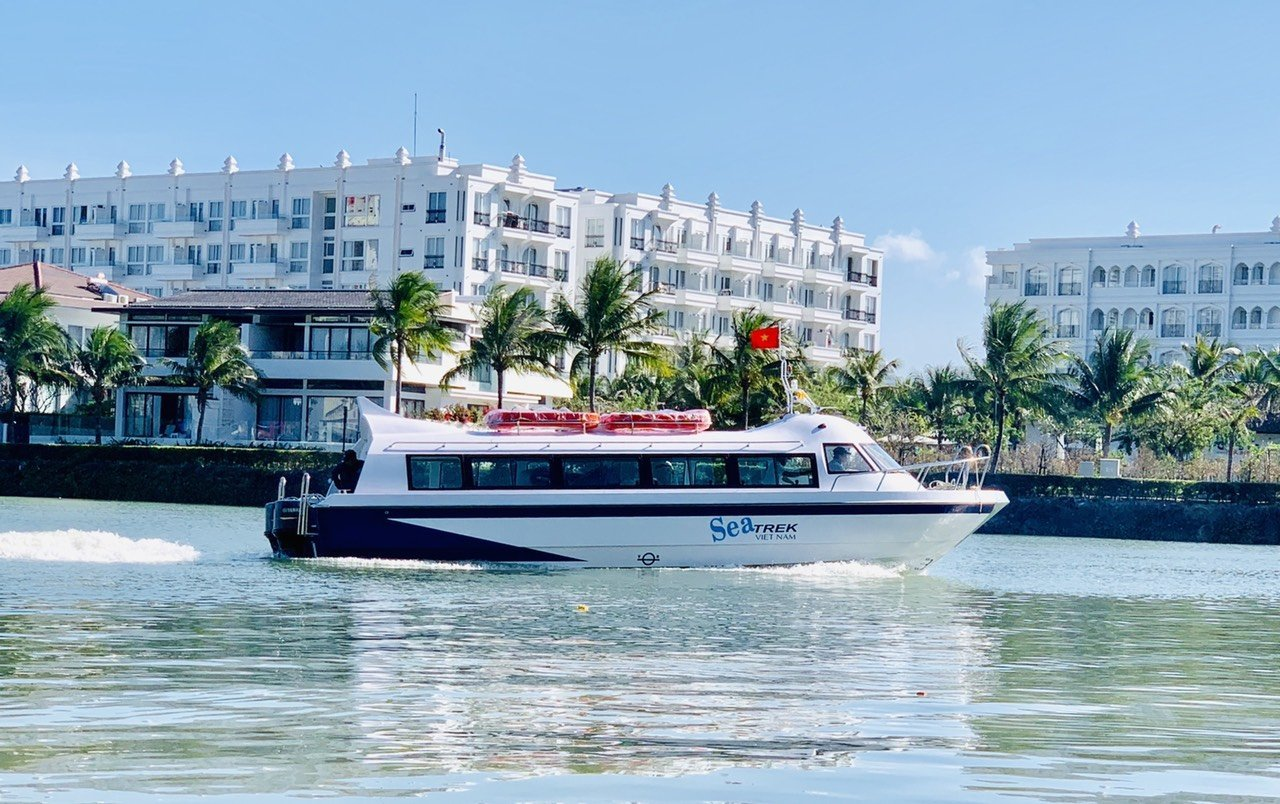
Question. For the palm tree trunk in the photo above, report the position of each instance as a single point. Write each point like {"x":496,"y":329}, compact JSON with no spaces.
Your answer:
{"x":862,"y":416}
{"x":399,"y":372}
{"x":501,"y":377}
{"x":1231,"y":452}
{"x":591,"y":383}
{"x":1106,"y":439}
{"x":201,"y":404}
{"x":995,"y":453}
{"x":746,"y":404}
{"x":97,"y":420}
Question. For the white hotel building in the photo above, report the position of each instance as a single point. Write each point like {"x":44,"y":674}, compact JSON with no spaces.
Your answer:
{"x":1167,"y":288}
{"x":466,"y":227}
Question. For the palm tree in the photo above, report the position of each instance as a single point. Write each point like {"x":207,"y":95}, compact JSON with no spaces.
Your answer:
{"x":216,"y":359}
{"x":1116,"y":381}
{"x":938,"y":397}
{"x":1017,"y":373}
{"x":513,"y":336}
{"x":406,"y":324}
{"x":1208,"y":357}
{"x":1252,"y":391}
{"x":30,"y":341}
{"x":863,"y":374}
{"x":107,"y":361}
{"x":693,"y":371}
{"x":611,"y":312}
{"x":742,"y":367}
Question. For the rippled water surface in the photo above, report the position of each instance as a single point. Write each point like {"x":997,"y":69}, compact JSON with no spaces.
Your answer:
{"x":154,"y":652}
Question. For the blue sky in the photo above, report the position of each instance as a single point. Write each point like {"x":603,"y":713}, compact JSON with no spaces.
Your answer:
{"x":937,"y":129}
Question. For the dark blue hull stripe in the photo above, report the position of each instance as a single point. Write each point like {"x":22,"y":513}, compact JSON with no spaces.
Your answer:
{"x":343,"y":533}
{"x":608,"y":510}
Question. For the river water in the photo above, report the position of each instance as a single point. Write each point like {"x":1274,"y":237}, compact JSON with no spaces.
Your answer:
{"x":154,"y":653}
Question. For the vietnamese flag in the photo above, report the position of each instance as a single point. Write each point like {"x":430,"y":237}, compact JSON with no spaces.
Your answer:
{"x":766,"y":338}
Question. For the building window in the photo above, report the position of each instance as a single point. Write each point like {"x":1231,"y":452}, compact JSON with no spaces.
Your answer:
{"x":58,"y":255}
{"x":279,"y":418}
{"x":301,"y":217}
{"x":595,"y":233}
{"x":433,"y":253}
{"x":6,"y":217}
{"x":215,"y":216}
{"x":330,"y":213}
{"x":562,"y":266}
{"x":79,"y":256}
{"x":339,"y":343}
{"x":361,"y":210}
{"x":359,"y":255}
{"x":298,"y":254}
{"x":59,"y":225}
{"x":239,"y":210}
{"x":214,"y":263}
{"x":327,"y":256}
{"x":436,"y":210}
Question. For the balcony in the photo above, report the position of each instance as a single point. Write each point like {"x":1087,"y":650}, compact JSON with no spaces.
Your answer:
{"x":593,"y":241}
{"x":1210,"y":286}
{"x":1035,"y":289}
{"x":105,"y":230}
{"x":24,"y":233}
{"x":1173,"y":286}
{"x":538,"y":270}
{"x":560,"y":274}
{"x":1069,"y":289}
{"x":433,"y":262}
{"x":637,"y":243}
{"x":513,"y":267}
{"x":344,"y":354}
{"x":480,"y":264}
{"x":481,"y":219}
{"x":178,"y":228}
{"x":268,"y":226}
{"x":176,"y":272}
{"x":860,"y":315}
{"x":665,"y":246}
{"x":258,"y":270}
{"x":436,"y":216}
{"x":1173,"y":331}
{"x":510,"y":220}
{"x":862,"y":279}
{"x":564,"y":230}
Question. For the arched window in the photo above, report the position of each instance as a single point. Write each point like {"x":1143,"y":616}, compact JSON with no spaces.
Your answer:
{"x":1273,"y":318}
{"x":1099,"y":276}
{"x":1174,"y":279}
{"x":1173,"y":323}
{"x":1209,"y":322}
{"x":504,"y":257}
{"x":1273,"y":274}
{"x":1148,"y":276}
{"x":1255,"y":276}
{"x":1113,"y":277}
{"x":1096,"y":320}
{"x":1210,"y":279}
{"x":1037,"y":283}
{"x":1146,"y":319}
{"x":1241,"y":275}
{"x":1068,"y":323}
{"x":1130,"y":319}
{"x":1113,"y":318}
{"x":1240,"y":318}
{"x":1255,"y":318}
{"x":1131,"y":276}
{"x":1069,"y":282}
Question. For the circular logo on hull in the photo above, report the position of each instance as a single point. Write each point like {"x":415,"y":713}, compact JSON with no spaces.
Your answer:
{"x":648,"y":559}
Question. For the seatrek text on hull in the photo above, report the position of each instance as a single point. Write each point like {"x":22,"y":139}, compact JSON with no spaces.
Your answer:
{"x":650,"y":489}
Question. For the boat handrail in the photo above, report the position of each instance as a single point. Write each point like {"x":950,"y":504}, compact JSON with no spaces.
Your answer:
{"x":958,"y":473}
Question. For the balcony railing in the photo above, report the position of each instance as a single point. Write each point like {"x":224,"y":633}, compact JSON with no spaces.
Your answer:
{"x":637,"y":243}
{"x":1068,"y":330}
{"x":1173,"y":286}
{"x":510,"y":220}
{"x":665,"y":246}
{"x":513,"y":266}
{"x":480,"y":264}
{"x":859,"y":315}
{"x":1069,"y":289}
{"x":538,"y":270}
{"x":1173,"y":331}
{"x":862,"y":279}
{"x":433,"y":261}
{"x":560,"y":275}
{"x":482,"y":218}
{"x":1210,"y":286}
{"x":564,"y":230}
{"x":1035,"y":289}
{"x":437,"y":216}
{"x":593,"y":241}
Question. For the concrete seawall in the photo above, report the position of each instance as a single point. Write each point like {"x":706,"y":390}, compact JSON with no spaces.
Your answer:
{"x":1155,"y":520}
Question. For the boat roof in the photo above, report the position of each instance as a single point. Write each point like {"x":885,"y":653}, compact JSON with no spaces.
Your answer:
{"x":390,"y":432}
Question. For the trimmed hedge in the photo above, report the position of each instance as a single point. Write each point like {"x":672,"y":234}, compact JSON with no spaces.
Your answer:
{"x":1099,"y":488}
{"x":197,"y":475}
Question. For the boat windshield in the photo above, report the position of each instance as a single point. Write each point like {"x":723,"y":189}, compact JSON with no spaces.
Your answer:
{"x":883,"y":459}
{"x":845,"y":459}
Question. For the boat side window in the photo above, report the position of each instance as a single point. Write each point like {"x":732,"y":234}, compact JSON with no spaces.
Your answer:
{"x":434,"y":473}
{"x":776,"y":470}
{"x":883,"y":459}
{"x":600,"y":473}
{"x":708,"y":470}
{"x":845,"y":459}
{"x":510,"y":473}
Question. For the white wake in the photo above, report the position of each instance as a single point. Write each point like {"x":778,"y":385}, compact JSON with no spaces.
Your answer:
{"x":91,"y":546}
{"x":835,"y":570}
{"x":393,"y":563}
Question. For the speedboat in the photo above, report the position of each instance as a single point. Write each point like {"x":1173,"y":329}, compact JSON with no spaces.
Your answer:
{"x":634,"y":490}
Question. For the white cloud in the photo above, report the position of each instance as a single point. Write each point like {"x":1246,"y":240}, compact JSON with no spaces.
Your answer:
{"x":974,"y":269}
{"x":905,"y":247}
